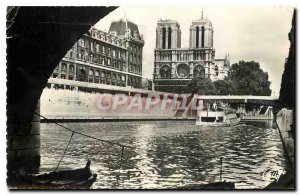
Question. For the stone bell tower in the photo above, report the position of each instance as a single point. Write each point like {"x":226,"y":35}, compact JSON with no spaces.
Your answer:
{"x":168,"y":34}
{"x":201,"y":33}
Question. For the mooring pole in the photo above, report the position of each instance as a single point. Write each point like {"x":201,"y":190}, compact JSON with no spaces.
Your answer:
{"x":221,"y":170}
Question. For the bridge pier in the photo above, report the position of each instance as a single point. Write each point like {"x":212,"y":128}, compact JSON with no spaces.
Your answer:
{"x":23,"y":142}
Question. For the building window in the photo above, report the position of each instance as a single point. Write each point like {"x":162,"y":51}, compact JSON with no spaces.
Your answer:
{"x":92,"y":46}
{"x":164,"y":38}
{"x":91,"y":76}
{"x":138,"y":69}
{"x":202,"y":38}
{"x":199,"y":71}
{"x":197,"y":36}
{"x":114,"y":76}
{"x":97,"y":48}
{"x":71,"y":69}
{"x":63,"y":67}
{"x":97,"y":74}
{"x":81,"y":42}
{"x":165,"y":72}
{"x":87,"y":44}
{"x":131,"y":56}
{"x":96,"y":59}
{"x":169,"y":37}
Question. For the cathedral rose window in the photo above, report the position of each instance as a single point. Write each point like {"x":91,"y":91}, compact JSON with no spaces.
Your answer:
{"x":183,"y":70}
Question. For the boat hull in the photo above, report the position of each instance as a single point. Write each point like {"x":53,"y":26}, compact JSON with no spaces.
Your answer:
{"x":217,"y":119}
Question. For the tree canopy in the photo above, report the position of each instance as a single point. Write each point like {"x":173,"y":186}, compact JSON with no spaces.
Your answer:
{"x":250,"y":79}
{"x":202,"y":86}
{"x":245,"y":78}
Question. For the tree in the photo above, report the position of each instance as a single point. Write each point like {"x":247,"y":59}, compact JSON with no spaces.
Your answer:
{"x":250,"y":79}
{"x":245,"y":78}
{"x":225,"y":87}
{"x":202,"y":86}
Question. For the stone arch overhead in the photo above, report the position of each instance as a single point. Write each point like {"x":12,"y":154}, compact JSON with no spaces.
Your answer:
{"x":40,"y":31}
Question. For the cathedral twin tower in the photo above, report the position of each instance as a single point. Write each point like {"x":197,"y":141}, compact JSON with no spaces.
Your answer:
{"x":174,"y":66}
{"x":168,"y":34}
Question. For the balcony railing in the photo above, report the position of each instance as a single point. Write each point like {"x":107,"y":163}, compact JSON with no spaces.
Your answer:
{"x":182,"y":54}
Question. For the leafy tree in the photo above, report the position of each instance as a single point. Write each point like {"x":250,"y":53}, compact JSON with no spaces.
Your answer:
{"x":225,"y":87}
{"x":202,"y":86}
{"x":245,"y":78}
{"x":250,"y":79}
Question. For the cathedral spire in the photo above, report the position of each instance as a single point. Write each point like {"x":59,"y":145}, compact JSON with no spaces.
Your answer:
{"x":202,"y":14}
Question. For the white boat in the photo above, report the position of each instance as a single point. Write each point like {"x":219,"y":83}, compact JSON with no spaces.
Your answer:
{"x":217,"y":117}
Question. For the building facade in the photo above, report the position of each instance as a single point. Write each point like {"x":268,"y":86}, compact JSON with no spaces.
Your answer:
{"x":113,"y":58}
{"x":175,"y":67}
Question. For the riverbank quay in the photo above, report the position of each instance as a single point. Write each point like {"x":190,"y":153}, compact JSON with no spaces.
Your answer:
{"x":286,"y":126}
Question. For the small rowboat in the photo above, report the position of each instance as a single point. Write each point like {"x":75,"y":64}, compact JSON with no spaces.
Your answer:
{"x":68,"y":179}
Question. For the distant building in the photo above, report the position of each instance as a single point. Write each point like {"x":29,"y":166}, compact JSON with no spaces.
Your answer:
{"x":175,"y":67}
{"x":113,"y":58}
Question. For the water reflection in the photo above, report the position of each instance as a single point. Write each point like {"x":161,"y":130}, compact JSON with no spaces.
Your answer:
{"x":166,"y":154}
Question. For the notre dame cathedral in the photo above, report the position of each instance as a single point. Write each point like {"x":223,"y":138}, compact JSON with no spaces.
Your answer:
{"x":175,"y":67}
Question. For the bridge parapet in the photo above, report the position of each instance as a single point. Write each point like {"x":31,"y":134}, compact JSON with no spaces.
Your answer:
{"x":242,"y":99}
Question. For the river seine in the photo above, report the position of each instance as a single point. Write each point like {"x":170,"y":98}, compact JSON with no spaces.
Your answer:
{"x":166,"y":154}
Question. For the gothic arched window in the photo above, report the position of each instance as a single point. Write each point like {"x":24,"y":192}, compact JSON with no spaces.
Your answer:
{"x":164,"y":38}
{"x":197,"y":36}
{"x":165,"y":72}
{"x":169,"y":37}
{"x":199,"y":71}
{"x":202,"y":38}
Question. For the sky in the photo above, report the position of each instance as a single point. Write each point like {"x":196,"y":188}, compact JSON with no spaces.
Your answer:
{"x":246,"y":33}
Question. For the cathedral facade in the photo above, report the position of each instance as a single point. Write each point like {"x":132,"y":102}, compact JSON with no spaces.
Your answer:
{"x":175,"y":67}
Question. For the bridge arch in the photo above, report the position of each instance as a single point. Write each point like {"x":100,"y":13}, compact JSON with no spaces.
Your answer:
{"x":28,"y":75}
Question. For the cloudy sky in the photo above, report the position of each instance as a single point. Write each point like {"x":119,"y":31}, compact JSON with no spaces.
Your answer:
{"x":259,"y":34}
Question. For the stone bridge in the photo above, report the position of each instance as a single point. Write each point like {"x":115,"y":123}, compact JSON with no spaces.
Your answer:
{"x":37,"y":39}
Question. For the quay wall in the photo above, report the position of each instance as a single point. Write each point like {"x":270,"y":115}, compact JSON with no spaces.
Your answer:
{"x":285,"y":124}
{"x":65,"y":104}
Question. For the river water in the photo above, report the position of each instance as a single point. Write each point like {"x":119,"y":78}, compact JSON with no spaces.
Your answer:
{"x":166,"y":154}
